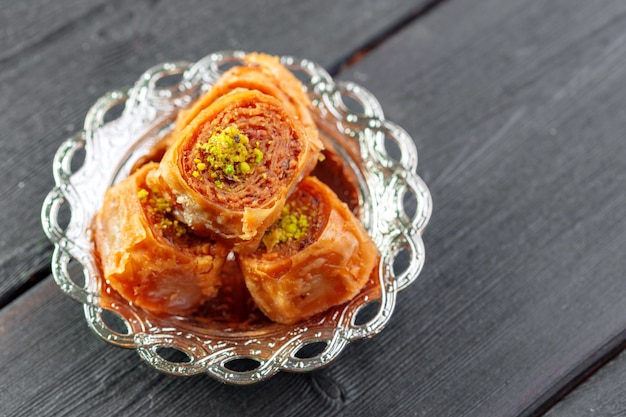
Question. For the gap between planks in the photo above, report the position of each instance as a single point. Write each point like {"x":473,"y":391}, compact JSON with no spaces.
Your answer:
{"x":549,"y":399}
{"x":577,"y":376}
{"x":37,"y":277}
{"x":359,"y":53}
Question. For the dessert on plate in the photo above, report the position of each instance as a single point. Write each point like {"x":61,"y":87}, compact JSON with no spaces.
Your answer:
{"x":232,"y":185}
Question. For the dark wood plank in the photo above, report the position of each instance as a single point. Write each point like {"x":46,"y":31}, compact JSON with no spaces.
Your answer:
{"x":52,"y":365}
{"x":517,"y":110}
{"x":57,"y":58}
{"x":603,"y":394}
{"x":25,"y":28}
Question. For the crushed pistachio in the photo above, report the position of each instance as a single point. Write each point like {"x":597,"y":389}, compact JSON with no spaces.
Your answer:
{"x":160,"y":204}
{"x":227,"y":155}
{"x":142,"y":194}
{"x":161,"y":209}
{"x":178,"y":227}
{"x":258,"y":155}
{"x":292,"y":225}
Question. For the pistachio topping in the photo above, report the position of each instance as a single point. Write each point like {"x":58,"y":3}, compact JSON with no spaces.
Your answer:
{"x":142,"y":194}
{"x":293,"y":225}
{"x":161,"y":209}
{"x":227,"y":156}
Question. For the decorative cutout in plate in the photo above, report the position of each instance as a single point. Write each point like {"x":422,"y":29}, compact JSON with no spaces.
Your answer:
{"x":395,"y":208}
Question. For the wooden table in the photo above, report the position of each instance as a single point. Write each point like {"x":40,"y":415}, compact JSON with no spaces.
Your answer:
{"x":517,"y":108}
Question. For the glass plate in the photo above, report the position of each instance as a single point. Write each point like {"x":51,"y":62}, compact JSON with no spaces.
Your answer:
{"x":122,"y":126}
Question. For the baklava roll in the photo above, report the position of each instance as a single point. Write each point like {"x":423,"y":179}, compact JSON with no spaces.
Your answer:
{"x":150,"y":258}
{"x":316,"y":256}
{"x":266,"y":74}
{"x":233,"y":166}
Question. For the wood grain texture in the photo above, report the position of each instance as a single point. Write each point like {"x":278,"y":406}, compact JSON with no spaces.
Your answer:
{"x":517,"y":110}
{"x":58,"y":57}
{"x":604,"y":394}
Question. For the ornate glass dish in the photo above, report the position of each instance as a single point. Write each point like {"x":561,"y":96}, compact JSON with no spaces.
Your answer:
{"x":395,"y":206}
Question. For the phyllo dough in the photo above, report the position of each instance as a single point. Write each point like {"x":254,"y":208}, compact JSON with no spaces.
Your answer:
{"x":266,"y":74}
{"x":317,"y":255}
{"x":149,"y":257}
{"x":232,"y":167}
